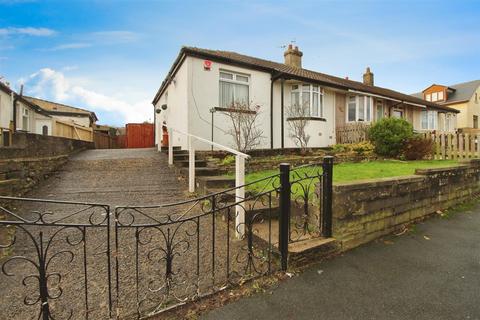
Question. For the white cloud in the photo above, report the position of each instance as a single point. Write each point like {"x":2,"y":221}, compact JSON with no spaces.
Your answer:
{"x":30,"y":31}
{"x":51,"y":84}
{"x":67,"y":46}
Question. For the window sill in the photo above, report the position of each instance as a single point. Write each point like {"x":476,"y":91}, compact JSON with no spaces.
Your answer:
{"x":307,"y":118}
{"x":220,"y":109}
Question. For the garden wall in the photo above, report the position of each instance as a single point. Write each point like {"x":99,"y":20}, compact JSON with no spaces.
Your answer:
{"x":363,"y":211}
{"x":32,"y":158}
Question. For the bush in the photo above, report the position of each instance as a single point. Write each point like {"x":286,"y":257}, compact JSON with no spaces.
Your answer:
{"x":389,"y":136}
{"x":364,"y":148}
{"x":228,"y":160}
{"x":418,"y":148}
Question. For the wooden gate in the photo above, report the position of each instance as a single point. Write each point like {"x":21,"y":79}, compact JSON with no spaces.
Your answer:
{"x":140,"y":135}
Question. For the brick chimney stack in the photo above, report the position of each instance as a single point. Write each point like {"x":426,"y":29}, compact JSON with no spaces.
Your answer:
{"x":368,"y":77}
{"x":293,"y":56}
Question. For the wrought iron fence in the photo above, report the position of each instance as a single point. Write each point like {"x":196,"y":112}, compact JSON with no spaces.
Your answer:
{"x":74,"y":261}
{"x":59,"y":252}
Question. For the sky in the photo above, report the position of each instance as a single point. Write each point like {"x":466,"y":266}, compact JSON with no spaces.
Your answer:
{"x":111,"y":56}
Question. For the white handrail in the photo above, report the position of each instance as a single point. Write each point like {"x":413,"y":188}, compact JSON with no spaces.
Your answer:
{"x":239,"y":174}
{"x":220,"y":146}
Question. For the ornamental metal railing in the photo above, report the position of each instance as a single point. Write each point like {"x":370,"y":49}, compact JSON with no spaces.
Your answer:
{"x":76,"y":260}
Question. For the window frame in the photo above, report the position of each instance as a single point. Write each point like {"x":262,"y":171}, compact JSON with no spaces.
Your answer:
{"x":311,"y":92}
{"x":379,"y":103}
{"x":233,"y":81}
{"x":25,"y":115}
{"x":366,"y":106}
{"x":428,"y":113}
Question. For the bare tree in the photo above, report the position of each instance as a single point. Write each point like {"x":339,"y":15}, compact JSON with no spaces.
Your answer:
{"x":297,"y":119}
{"x":245,"y":130}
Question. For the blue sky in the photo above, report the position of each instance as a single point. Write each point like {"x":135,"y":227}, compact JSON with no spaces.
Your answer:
{"x":111,"y":56}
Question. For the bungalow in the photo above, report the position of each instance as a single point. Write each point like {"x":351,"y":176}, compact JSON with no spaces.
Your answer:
{"x":202,"y":84}
{"x":81,"y":117}
{"x":464,"y":97}
{"x":26,"y":116}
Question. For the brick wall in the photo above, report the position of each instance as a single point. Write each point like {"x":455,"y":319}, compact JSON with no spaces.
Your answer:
{"x":363,"y":211}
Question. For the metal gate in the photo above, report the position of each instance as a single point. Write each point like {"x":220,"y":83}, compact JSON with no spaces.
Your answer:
{"x":73,"y":260}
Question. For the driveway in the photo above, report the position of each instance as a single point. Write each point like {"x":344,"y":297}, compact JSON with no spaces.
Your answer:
{"x":430,"y":273}
{"x":114,"y":177}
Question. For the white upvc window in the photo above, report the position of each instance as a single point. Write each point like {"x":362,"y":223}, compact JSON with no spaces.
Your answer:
{"x":234,"y":88}
{"x":449,"y":122}
{"x":380,"y":109}
{"x":308,"y":95}
{"x":25,"y":119}
{"x":359,"y":108}
{"x":429,"y":120}
{"x":428,"y":97}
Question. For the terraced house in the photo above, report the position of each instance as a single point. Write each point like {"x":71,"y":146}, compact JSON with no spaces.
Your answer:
{"x":202,"y":84}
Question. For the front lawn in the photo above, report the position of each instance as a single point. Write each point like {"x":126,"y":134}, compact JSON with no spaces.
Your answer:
{"x":349,"y":171}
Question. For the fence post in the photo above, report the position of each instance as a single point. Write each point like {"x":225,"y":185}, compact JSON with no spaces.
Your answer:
{"x":240,"y":196}
{"x":170,"y":146}
{"x":191,"y":165}
{"x":284,"y":217}
{"x":327,"y":196}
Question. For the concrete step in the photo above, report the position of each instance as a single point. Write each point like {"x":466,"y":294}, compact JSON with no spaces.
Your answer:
{"x":184,"y":163}
{"x":185,"y":156}
{"x":174,"y":148}
{"x":203,"y":172}
{"x":207,"y":183}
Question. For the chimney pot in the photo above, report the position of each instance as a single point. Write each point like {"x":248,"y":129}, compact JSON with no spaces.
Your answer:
{"x":293,"y":56}
{"x":368,"y":77}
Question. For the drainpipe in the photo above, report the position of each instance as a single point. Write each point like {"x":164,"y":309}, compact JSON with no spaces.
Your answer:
{"x":271,"y":113}
{"x":14,"y":111}
{"x":282,"y":107}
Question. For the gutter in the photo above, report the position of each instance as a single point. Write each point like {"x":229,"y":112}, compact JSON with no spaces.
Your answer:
{"x":387,"y":98}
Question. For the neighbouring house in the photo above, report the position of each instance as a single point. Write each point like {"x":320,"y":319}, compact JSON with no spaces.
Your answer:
{"x":203,"y":84}
{"x":464,"y":97}
{"x":66,"y":113}
{"x":27,"y":114}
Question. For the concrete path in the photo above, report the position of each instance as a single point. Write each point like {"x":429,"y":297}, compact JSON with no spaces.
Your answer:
{"x":431,"y":273}
{"x":114,"y":177}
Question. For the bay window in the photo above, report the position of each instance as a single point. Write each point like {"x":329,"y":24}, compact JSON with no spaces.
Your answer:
{"x":359,"y":108}
{"x":234,"y":88}
{"x":309,"y":96}
{"x":429,"y":120}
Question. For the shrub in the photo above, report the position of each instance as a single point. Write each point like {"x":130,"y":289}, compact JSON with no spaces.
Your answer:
{"x":389,"y":136}
{"x":362,"y":148}
{"x":418,"y":148}
{"x":228,"y":160}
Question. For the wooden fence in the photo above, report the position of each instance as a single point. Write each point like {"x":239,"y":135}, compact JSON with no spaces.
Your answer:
{"x":352,"y":132}
{"x":455,"y":145}
{"x":71,"y":130}
{"x":105,"y":141}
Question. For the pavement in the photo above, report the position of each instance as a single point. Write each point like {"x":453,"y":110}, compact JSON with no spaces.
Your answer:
{"x":432,"y":272}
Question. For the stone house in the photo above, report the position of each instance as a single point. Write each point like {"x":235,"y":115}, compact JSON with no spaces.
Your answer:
{"x":202,"y":84}
{"x":464,"y":97}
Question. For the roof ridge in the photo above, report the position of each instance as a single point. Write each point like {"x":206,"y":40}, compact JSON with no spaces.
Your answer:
{"x":61,"y":104}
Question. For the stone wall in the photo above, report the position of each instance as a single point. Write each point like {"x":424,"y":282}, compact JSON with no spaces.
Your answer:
{"x":363,"y":211}
{"x":33,"y":158}
{"x":27,"y":145}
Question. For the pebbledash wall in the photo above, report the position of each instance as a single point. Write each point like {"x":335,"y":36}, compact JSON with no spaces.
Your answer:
{"x":363,"y":211}
{"x":32,"y":158}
